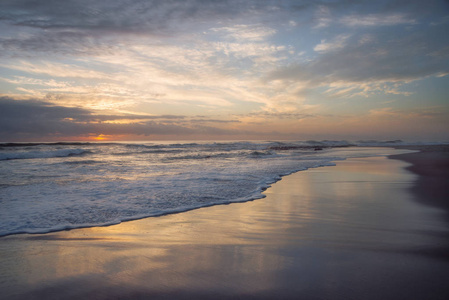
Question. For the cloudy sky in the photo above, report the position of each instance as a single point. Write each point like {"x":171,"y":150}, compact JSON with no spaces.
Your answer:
{"x":182,"y":70}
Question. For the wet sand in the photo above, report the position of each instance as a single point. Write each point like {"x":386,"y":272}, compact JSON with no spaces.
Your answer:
{"x":351,"y":231}
{"x":432,"y":166}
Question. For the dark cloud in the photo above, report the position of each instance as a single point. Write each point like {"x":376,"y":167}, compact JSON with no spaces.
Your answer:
{"x":118,"y":15}
{"x":169,"y":16}
{"x":100,"y":118}
{"x":22,"y":110}
{"x":151,"y":16}
{"x":28,"y":119}
{"x":85,"y":27}
{"x":63,"y":43}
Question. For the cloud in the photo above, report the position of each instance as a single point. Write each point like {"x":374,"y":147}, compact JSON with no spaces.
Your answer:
{"x":281,"y":115}
{"x":425,"y":113}
{"x":376,"y":20}
{"x":22,"y":80}
{"x":55,"y":69}
{"x":337,"y":43}
{"x":31,"y":117}
{"x":375,"y":62}
{"x":212,"y":121}
{"x":198,"y":71}
{"x":148,"y":17}
{"x":246,"y":33}
{"x":323,"y":17}
{"x":59,"y":43}
{"x":83,"y":27}
{"x":220,"y":59}
{"x":34,"y":119}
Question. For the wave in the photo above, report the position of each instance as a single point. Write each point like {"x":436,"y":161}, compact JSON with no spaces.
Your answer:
{"x":179,"y":151}
{"x":42,"y":154}
{"x":256,"y":154}
{"x":199,"y":156}
{"x":394,"y":143}
{"x":262,"y":154}
{"x":155,"y":151}
{"x":102,"y":188}
{"x":82,"y":162}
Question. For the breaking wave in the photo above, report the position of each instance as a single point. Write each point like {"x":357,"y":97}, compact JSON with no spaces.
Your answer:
{"x":41,"y":154}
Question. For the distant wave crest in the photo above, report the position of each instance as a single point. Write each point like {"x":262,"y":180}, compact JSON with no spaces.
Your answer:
{"x":41,"y":154}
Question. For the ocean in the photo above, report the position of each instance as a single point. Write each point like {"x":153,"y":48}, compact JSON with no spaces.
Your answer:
{"x":48,"y":187}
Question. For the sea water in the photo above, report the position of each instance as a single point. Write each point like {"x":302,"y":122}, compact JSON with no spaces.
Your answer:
{"x":56,"y":186}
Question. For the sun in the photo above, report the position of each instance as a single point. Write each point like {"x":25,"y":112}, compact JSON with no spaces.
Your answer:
{"x":100,"y":137}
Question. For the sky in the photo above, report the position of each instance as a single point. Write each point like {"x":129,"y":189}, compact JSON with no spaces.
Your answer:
{"x":88,"y":70}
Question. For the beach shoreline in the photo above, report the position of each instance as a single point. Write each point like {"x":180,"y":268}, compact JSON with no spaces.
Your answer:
{"x":431,"y":164}
{"x":349,"y":231}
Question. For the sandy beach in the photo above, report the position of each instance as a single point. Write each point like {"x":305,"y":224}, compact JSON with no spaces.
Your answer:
{"x":432,"y":166}
{"x":367,"y":228}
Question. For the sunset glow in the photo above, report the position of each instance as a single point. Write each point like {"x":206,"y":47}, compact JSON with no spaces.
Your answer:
{"x":152,"y":70}
{"x":101,"y":137}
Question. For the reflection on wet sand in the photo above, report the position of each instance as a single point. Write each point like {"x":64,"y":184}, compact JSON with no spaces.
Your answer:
{"x":344,"y":232}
